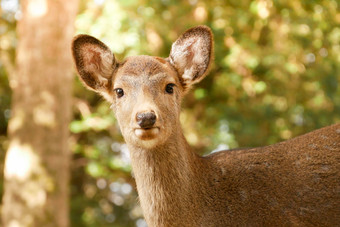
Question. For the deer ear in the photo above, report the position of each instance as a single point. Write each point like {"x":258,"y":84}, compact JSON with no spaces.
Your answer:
{"x":94,"y":61}
{"x":191,"y":54}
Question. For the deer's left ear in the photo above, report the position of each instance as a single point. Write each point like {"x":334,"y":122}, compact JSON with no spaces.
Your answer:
{"x":192,"y":54}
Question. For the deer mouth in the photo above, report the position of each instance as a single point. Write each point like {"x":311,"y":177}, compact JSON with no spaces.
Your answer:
{"x":146,"y":133}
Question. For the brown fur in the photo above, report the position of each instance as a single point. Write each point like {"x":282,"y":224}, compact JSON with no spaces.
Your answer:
{"x":293,"y":183}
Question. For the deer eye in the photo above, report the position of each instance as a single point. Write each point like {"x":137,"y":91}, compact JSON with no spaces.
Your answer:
{"x":169,"y":88}
{"x":119,"y":92}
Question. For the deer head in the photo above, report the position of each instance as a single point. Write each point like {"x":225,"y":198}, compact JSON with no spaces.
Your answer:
{"x":145,"y":91}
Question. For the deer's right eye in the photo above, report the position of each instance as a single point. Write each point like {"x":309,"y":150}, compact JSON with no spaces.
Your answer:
{"x":119,"y":92}
{"x":170,"y":88}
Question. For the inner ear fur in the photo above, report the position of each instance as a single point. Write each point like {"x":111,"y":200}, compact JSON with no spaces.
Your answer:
{"x":192,"y":53}
{"x":94,"y":61}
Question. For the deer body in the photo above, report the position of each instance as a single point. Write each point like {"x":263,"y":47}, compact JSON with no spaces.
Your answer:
{"x":293,"y":183}
{"x":287,"y":184}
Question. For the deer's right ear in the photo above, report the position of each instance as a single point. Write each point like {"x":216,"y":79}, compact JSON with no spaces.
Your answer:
{"x":94,"y":61}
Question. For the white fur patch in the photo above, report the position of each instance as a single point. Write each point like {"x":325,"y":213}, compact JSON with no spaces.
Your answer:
{"x":189,"y":57}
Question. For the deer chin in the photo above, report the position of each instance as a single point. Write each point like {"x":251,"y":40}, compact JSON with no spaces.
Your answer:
{"x":146,"y":133}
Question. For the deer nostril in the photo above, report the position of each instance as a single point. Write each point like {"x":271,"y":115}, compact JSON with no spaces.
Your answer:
{"x":146,"y":120}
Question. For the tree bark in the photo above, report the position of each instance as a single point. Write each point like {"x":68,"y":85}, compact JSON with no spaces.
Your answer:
{"x":37,"y":161}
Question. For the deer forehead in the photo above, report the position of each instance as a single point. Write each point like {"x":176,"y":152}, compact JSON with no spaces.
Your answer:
{"x":142,"y":70}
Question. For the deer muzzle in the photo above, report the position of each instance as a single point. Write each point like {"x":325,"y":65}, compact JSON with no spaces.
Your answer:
{"x":146,"y":120}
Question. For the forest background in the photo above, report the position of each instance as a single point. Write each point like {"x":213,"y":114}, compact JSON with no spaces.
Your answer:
{"x":276,"y":75}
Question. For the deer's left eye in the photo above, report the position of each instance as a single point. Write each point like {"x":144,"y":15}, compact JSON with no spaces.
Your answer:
{"x":119,"y":92}
{"x":170,"y":88}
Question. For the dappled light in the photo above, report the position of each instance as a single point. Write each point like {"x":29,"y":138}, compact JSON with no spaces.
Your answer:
{"x":21,"y":161}
{"x":17,"y":121}
{"x":24,"y":170}
{"x":37,"y":8}
{"x":44,"y":113}
{"x":200,"y":14}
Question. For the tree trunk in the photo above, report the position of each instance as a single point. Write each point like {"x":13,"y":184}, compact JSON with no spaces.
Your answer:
{"x":37,"y":161}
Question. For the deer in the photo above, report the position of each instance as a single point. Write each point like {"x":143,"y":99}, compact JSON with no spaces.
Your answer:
{"x":291,"y":183}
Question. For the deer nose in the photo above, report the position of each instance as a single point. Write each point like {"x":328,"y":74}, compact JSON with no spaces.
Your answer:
{"x":146,"y":120}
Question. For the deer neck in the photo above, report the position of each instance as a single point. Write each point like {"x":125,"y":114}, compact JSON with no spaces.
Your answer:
{"x":164,"y":177}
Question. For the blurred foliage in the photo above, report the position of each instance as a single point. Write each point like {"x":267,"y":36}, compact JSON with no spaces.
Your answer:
{"x":276,"y":75}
